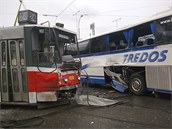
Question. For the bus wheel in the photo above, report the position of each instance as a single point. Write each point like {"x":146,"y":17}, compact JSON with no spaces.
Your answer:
{"x":137,"y":84}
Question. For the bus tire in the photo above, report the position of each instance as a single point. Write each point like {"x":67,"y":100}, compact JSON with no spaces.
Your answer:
{"x":137,"y":84}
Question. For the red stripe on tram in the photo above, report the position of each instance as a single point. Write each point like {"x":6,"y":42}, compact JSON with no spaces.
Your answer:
{"x":41,"y":82}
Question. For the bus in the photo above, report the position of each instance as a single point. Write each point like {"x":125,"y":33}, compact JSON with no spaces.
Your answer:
{"x":33,"y":66}
{"x":136,"y":57}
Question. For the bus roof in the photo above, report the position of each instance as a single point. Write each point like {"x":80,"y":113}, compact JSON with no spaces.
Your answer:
{"x":153,"y":17}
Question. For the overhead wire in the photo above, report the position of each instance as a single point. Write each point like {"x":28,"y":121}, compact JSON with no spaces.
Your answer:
{"x":97,"y":14}
{"x":65,"y":9}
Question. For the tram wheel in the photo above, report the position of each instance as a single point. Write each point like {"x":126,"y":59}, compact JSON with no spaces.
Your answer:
{"x":137,"y":84}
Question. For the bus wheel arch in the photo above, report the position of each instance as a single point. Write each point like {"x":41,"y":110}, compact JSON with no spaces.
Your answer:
{"x":137,"y":84}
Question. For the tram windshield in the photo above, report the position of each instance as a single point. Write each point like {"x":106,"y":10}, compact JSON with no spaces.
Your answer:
{"x":49,"y":44}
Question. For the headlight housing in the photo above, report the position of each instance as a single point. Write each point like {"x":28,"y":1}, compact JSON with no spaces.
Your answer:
{"x":65,"y":79}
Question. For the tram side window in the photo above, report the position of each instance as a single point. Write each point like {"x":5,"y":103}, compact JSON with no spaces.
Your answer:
{"x":143,"y":35}
{"x":117,"y":41}
{"x":164,"y":30}
{"x":21,"y":51}
{"x":3,"y":54}
{"x":13,"y":53}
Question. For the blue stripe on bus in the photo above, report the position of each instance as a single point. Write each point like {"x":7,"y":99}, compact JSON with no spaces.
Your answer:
{"x":100,"y":80}
{"x":92,"y":76}
{"x":93,"y":79}
{"x":159,"y":90}
{"x":116,"y":52}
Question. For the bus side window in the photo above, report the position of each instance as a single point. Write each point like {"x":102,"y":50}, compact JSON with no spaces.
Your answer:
{"x":102,"y":44}
{"x":117,"y":41}
{"x":112,"y":46}
{"x":163,"y":30}
{"x":95,"y":46}
{"x":84,"y":47}
{"x":122,"y":44}
{"x":143,"y":35}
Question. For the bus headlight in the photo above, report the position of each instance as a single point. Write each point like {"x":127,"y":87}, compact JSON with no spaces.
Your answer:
{"x":65,"y":79}
{"x":79,"y":78}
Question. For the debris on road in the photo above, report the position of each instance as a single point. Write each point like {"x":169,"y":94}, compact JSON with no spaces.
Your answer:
{"x":94,"y":101}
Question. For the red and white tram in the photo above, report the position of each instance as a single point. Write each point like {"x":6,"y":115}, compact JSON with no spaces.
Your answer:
{"x":34,"y":66}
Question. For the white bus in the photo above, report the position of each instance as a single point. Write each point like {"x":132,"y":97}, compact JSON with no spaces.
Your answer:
{"x":137,"y":57}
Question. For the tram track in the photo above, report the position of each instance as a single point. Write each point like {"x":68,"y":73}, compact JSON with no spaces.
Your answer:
{"x":120,"y":120}
{"x":72,"y":108}
{"x":140,"y":106}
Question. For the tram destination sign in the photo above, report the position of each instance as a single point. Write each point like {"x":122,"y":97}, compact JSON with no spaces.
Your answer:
{"x":27,"y":17}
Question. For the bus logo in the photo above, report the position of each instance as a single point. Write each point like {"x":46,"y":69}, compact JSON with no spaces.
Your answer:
{"x":141,"y":57}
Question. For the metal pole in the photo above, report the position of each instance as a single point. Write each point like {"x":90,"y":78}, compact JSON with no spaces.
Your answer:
{"x":76,"y":20}
{"x":79,"y":26}
{"x":17,"y":13}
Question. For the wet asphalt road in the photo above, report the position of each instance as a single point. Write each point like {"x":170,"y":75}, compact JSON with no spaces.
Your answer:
{"x":132,"y":112}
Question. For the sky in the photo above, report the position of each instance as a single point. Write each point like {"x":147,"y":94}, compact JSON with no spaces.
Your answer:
{"x":107,"y":15}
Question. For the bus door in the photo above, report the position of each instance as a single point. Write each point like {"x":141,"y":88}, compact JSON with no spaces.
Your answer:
{"x":17,"y":71}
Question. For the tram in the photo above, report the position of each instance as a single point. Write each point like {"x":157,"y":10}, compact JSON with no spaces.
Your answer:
{"x":33,"y":65}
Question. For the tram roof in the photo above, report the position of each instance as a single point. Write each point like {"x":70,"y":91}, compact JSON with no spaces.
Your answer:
{"x":153,"y":17}
{"x":33,"y":25}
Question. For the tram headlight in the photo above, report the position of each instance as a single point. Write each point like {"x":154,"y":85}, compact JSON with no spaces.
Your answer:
{"x":79,"y":78}
{"x":65,"y":79}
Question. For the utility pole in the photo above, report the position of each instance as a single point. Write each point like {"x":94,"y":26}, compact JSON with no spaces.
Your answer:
{"x":18,"y":13}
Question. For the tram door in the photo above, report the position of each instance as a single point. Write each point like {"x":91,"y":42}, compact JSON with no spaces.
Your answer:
{"x":13,"y":70}
{"x":3,"y":72}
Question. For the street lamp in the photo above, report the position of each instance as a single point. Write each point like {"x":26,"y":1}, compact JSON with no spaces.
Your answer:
{"x":117,"y":22}
{"x":76,"y":19}
{"x":79,"y":24}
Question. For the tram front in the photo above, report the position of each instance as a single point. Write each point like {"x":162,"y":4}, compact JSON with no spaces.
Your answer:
{"x":33,"y":67}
